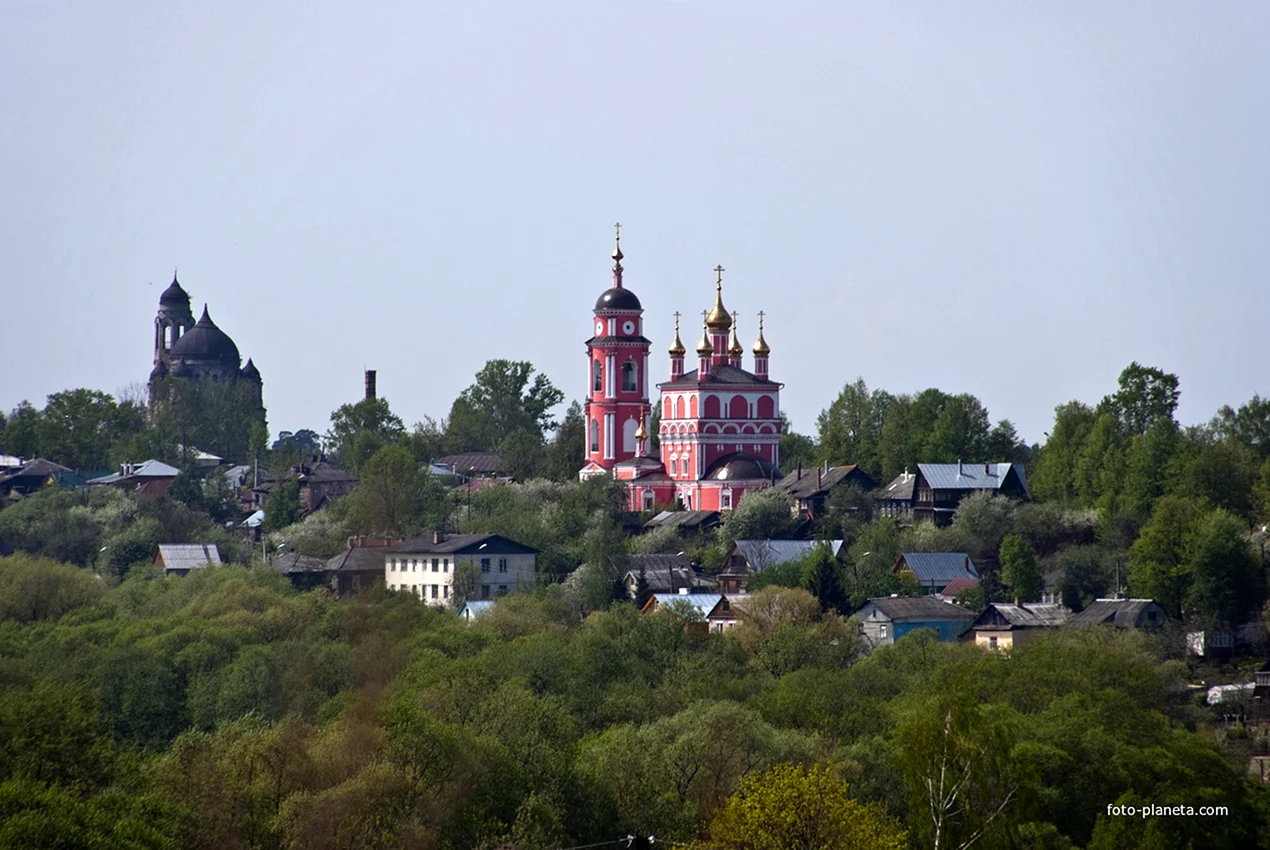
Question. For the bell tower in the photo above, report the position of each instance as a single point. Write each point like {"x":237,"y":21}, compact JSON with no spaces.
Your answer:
{"x":173,"y":320}
{"x":617,"y":375}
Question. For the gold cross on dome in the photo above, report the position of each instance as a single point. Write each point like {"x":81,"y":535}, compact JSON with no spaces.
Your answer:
{"x":719,"y":270}
{"x":676,"y":320}
{"x":761,"y":314}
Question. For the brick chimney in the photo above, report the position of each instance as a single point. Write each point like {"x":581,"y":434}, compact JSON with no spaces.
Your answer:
{"x":437,"y":537}
{"x":370,"y":383}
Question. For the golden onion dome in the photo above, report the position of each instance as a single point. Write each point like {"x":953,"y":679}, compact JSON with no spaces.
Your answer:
{"x":718,"y":320}
{"x":641,"y":433}
{"x":761,"y":348}
{"x":677,"y":347}
{"x":735,"y":349}
{"x":704,"y":348}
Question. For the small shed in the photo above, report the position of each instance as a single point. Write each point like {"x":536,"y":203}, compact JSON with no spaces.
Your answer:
{"x":474,"y":608}
{"x":1003,"y":626}
{"x":887,"y":619}
{"x":177,"y":559}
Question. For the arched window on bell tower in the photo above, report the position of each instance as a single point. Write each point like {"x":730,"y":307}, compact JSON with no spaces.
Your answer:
{"x":630,"y":377}
{"x":597,"y":376}
{"x":595,"y":434}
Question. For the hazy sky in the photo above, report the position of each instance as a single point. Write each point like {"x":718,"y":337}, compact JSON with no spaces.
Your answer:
{"x":1009,"y":199}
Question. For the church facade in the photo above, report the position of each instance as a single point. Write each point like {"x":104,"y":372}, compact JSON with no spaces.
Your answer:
{"x":720,"y":428}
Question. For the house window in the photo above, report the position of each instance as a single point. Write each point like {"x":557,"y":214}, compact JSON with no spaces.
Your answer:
{"x":882,"y":631}
{"x":1150,"y":616}
{"x":629,"y":377}
{"x":502,"y":565}
{"x":595,"y":435}
{"x":445,"y":565}
{"x":392,"y":566}
{"x":502,"y":590}
{"x":392,"y":587}
{"x":434,"y":591}
{"x":434,"y":565}
{"x":992,"y":641}
{"x":597,"y":376}
{"x":484,"y":565}
{"x":485,"y":591}
{"x":924,"y":495}
{"x":726,"y":504}
{"x":418,"y":591}
{"x":445,"y":591}
{"x":414,"y":565}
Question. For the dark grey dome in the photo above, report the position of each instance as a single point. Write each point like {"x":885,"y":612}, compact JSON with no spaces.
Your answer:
{"x":740,"y":465}
{"x":250,"y":371}
{"x":159,"y":371}
{"x":174,"y":294}
{"x":206,"y":343}
{"x":617,"y":298}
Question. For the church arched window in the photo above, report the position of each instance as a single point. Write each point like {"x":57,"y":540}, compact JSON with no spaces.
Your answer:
{"x":595,"y":435}
{"x":629,"y":377}
{"x":597,"y":376}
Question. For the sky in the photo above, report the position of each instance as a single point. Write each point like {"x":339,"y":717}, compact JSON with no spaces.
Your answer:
{"x":1014,"y":200}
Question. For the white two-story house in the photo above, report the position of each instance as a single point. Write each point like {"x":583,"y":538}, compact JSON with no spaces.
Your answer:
{"x":424,"y":566}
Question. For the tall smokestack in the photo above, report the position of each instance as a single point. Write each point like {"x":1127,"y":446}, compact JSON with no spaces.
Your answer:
{"x":370,"y":383}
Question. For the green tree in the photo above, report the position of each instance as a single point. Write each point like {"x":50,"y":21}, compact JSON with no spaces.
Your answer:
{"x":822,"y":578}
{"x":567,"y":449}
{"x":283,"y":507}
{"x":1020,"y":570}
{"x":1227,"y":582}
{"x":23,"y":432}
{"x":1159,"y":560}
{"x":507,"y":397}
{"x":361,"y":429}
{"x":79,"y":427}
{"x":1052,"y":477}
{"x":762,"y":515}
{"x":1146,"y":397}
{"x":396,"y":497}
{"x":1147,"y":467}
{"x":1261,"y":495}
{"x":791,"y":807}
{"x":1249,"y":425}
{"x":851,"y":427}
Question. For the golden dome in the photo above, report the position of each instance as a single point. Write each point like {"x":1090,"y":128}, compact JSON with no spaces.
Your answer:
{"x":718,"y":320}
{"x":735,"y":349}
{"x":641,"y":433}
{"x":760,"y":345}
{"x":704,"y":348}
{"x":677,"y":347}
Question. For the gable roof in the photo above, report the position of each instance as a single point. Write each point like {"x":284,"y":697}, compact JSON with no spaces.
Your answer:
{"x":1123,"y":613}
{"x":474,"y":608}
{"x":294,"y":562}
{"x":132,"y":471}
{"x":805,"y":483}
{"x":187,"y":556}
{"x":684,"y":519}
{"x":1028,"y":615}
{"x":719,"y":374}
{"x":462,"y":544}
{"x":900,"y":488}
{"x":465,"y":462}
{"x":971,"y":476}
{"x":936,"y":567}
{"x":760,"y":554}
{"x":958,"y":585}
{"x":703,"y":603}
{"x":663,"y":573}
{"x":918,"y":608}
{"x":357,"y":559}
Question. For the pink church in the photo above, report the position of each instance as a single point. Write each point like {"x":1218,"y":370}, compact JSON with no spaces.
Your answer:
{"x":720,"y":424}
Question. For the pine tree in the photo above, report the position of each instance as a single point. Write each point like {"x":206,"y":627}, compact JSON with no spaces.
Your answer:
{"x":822,"y":577}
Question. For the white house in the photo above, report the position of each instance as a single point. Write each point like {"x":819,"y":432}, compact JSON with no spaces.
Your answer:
{"x":424,"y":566}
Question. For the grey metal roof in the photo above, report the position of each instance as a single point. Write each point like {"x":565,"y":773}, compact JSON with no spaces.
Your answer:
{"x":474,"y":608}
{"x":970,"y":476}
{"x":684,"y":519}
{"x":294,"y":562}
{"x":149,"y":469}
{"x":465,"y":462}
{"x":935,"y":567}
{"x":188,"y":556}
{"x":768,"y":553}
{"x":719,"y":374}
{"x":915,"y":608}
{"x":663,"y":573}
{"x":901,"y":487}
{"x":358,"y":559}
{"x":1028,"y":615}
{"x":1117,"y":612}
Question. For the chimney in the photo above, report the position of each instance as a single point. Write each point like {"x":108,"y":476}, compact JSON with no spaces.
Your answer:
{"x":906,"y":473}
{"x":958,"y":467}
{"x":986,"y":471}
{"x":817,"y":478}
{"x":437,"y":537}
{"x":800,"y":471}
{"x":370,"y":383}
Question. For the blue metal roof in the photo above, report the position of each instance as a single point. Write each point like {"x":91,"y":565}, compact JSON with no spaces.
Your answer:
{"x":703,"y":602}
{"x":932,"y":567}
{"x":970,"y":476}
